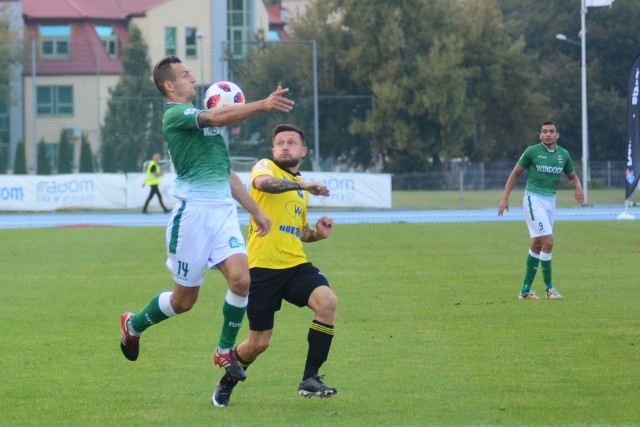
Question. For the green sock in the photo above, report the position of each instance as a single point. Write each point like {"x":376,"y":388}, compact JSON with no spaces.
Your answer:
{"x":530,"y":272}
{"x":233,"y":311}
{"x":546,"y":274}
{"x":151,"y":314}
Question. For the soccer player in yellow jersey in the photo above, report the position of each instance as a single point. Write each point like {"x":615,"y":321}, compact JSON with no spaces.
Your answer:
{"x":279,"y":267}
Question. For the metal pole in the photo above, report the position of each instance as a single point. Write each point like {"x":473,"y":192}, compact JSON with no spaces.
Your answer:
{"x":462,"y":184}
{"x":34,"y":100}
{"x":98,"y":100}
{"x":316,"y":149}
{"x":585,"y":127}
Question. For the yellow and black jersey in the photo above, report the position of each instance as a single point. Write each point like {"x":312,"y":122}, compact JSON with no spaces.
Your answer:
{"x":282,"y":247}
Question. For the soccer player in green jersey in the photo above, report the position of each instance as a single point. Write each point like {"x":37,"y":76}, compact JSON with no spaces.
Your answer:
{"x":203,"y":231}
{"x":544,"y":163}
{"x":279,"y":267}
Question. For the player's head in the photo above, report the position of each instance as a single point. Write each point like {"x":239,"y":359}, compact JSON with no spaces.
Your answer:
{"x":289,"y":146}
{"x":549,"y":133}
{"x":549,"y":123}
{"x":174,"y":80}
{"x":164,"y":72}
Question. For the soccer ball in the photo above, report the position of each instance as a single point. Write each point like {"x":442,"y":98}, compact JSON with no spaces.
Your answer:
{"x":221,"y":94}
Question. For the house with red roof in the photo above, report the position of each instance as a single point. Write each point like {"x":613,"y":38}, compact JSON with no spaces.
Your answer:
{"x":74,"y":56}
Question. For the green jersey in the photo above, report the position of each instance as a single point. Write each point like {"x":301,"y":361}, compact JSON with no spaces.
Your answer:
{"x":199,"y":155}
{"x":544,"y":168}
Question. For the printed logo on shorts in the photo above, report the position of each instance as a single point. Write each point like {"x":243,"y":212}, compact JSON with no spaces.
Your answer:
{"x":234,"y":243}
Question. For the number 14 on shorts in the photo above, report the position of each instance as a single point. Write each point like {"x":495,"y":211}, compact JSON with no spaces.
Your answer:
{"x":183,"y":269}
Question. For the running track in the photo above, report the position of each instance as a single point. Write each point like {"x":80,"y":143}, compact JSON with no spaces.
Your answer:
{"x":47,"y":220}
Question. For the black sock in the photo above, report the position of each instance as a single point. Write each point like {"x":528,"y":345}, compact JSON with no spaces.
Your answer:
{"x":319,"y":338}
{"x":228,"y":379}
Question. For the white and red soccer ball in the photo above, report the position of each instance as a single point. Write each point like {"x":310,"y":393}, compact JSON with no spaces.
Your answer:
{"x":221,"y":94}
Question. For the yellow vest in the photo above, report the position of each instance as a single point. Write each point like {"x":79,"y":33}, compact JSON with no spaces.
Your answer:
{"x":151,"y":179}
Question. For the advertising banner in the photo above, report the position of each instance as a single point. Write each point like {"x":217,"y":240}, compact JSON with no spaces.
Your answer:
{"x":632,"y":172}
{"x":49,"y":193}
{"x":125,"y":191}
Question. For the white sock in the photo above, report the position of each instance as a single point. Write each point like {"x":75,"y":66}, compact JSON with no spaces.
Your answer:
{"x":164,"y":302}
{"x":236,"y":300}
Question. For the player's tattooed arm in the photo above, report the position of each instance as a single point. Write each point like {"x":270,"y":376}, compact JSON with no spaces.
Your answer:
{"x":277,"y":185}
{"x":308,"y":234}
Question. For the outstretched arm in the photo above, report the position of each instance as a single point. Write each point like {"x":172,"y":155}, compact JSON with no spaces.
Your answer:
{"x":272,"y":185}
{"x":231,"y":114}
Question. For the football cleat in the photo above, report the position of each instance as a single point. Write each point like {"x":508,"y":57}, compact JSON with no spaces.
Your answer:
{"x":552,"y":293}
{"x":222,"y":394}
{"x":528,"y":295}
{"x":229,"y":361}
{"x":313,"y":386}
{"x":129,"y":343}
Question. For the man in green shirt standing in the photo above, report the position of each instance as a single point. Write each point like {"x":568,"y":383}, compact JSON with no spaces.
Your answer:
{"x":203,"y":231}
{"x":544,"y":163}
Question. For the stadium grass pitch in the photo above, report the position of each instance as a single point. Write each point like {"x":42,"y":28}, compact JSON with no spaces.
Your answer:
{"x":429,"y":331}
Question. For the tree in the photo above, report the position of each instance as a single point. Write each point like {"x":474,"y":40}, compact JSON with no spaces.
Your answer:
{"x":10,"y":55}
{"x":44,"y":163}
{"x":611,"y":48}
{"x":109,"y":161}
{"x":65,"y":153}
{"x":343,"y":101}
{"x":20,"y":161}
{"x":262,"y":71}
{"x":4,"y":163}
{"x":445,"y":74}
{"x":86,"y":158}
{"x":499,"y":86}
{"x":133,"y":122}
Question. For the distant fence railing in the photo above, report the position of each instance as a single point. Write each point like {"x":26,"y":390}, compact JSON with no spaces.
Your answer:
{"x":489,"y":176}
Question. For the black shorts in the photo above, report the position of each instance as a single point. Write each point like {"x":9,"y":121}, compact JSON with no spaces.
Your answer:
{"x":269,"y":287}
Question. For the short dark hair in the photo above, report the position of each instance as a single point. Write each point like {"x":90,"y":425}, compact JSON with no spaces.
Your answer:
{"x":287,"y":128}
{"x":549,"y":122}
{"x":163,"y":72}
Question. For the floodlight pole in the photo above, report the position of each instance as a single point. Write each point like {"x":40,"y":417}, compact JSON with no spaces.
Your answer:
{"x":316,"y":125}
{"x":585,"y":127}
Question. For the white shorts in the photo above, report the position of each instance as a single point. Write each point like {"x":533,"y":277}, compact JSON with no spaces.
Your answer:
{"x":200,"y":237}
{"x":539,"y":214}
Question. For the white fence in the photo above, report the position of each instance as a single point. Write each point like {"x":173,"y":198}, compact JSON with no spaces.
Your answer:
{"x":125,"y":191}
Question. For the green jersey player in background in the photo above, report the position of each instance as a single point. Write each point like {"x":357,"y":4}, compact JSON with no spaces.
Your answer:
{"x":544,"y":163}
{"x":203,"y":231}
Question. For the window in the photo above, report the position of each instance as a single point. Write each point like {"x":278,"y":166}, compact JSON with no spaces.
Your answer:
{"x":273,"y":36}
{"x":55,"y":41}
{"x":109,"y":39}
{"x":190,"y":39}
{"x":239,"y":26}
{"x":54,"y":100}
{"x":170,"y":47}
